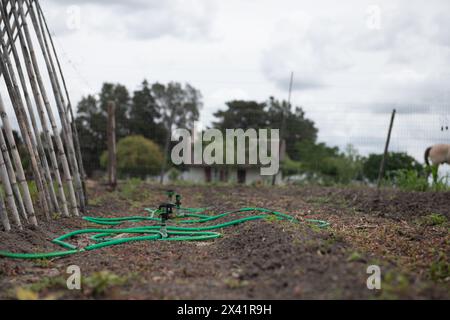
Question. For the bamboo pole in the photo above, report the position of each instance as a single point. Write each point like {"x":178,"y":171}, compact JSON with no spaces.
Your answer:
{"x":63,"y":114}
{"x":48,"y":186}
{"x":16,"y":99}
{"x":18,"y":164}
{"x":8,"y":191}
{"x":61,"y":110}
{"x":73,"y":207}
{"x":27,"y":50}
{"x":12,"y":177}
{"x":69,"y":104}
{"x":4,"y":216}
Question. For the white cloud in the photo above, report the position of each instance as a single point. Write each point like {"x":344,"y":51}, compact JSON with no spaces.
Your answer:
{"x":138,"y":19}
{"x":312,"y":48}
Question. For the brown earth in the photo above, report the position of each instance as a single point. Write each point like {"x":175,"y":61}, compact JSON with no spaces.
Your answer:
{"x":406,"y":234}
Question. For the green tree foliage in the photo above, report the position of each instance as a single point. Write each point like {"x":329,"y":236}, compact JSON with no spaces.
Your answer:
{"x":243,"y":115}
{"x":136,"y":157}
{"x":296,"y":126}
{"x":145,"y":117}
{"x":153,"y":111}
{"x":250,"y":114}
{"x":179,"y":107}
{"x":92,"y":122}
{"x":395,"y":161}
{"x":328,"y":164}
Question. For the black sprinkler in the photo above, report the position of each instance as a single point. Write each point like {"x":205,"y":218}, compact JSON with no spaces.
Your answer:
{"x":165,"y":211}
{"x":170,"y":194}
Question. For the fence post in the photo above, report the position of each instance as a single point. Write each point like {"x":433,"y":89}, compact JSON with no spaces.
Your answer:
{"x":386,"y":149}
{"x":112,"y":150}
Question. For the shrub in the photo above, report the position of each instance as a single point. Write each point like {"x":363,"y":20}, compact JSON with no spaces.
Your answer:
{"x":395,"y":161}
{"x":136,"y":157}
{"x":174,"y":174}
{"x":410,"y":180}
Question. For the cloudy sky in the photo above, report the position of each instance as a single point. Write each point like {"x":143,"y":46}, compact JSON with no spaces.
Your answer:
{"x":353,"y":61}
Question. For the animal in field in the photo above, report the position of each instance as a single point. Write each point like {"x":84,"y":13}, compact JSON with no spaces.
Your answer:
{"x":438,"y":154}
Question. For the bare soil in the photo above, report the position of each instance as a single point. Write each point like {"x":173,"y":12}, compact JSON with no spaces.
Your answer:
{"x":406,"y":234}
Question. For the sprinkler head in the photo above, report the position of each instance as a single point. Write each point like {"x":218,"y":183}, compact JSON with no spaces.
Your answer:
{"x":166,"y":210}
{"x":170,"y":194}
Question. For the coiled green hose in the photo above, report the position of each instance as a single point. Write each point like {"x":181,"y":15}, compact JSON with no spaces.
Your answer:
{"x":105,"y":237}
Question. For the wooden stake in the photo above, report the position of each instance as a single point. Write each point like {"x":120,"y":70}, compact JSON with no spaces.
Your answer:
{"x":12,"y":177}
{"x":41,"y":156}
{"x":112,"y":150}
{"x":27,"y":51}
{"x":69,"y":105}
{"x":73,"y":159}
{"x":4,"y":216}
{"x":18,"y":164}
{"x":68,"y":176}
{"x":16,"y":99}
{"x":386,"y":149}
{"x":8,"y":191}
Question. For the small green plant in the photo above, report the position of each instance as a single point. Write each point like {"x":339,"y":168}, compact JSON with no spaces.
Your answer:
{"x":434,"y":219}
{"x":271,"y":218}
{"x":173,"y":174}
{"x":43,"y":263}
{"x":393,"y":285}
{"x":133,"y":190}
{"x":354,"y":256}
{"x":235,"y":283}
{"x":440,"y":269}
{"x":410,"y":180}
{"x":100,"y":282}
{"x":47,"y":283}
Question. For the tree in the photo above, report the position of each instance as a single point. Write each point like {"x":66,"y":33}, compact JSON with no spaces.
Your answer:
{"x":242,"y":115}
{"x":145,"y":118}
{"x":179,"y":107}
{"x":328,"y":164}
{"x":275,"y":114}
{"x":395,"y":161}
{"x":91,"y":122}
{"x":136,"y":157}
{"x":296,"y":127}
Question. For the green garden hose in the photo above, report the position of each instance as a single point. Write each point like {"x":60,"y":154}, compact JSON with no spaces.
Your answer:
{"x":105,"y":237}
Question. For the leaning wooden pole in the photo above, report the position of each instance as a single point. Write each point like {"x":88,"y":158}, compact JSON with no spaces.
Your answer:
{"x":16,"y":99}
{"x":56,"y":134}
{"x":69,"y":104}
{"x":54,"y":152}
{"x":47,"y":177}
{"x":8,"y":191}
{"x":64,"y":116}
{"x":3,"y":216}
{"x":386,"y":149}
{"x":12,"y":177}
{"x":36,"y":83}
{"x":18,"y":164}
{"x":61,"y":109}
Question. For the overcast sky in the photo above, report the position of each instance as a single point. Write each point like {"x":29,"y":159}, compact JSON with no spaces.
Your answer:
{"x":353,"y":61}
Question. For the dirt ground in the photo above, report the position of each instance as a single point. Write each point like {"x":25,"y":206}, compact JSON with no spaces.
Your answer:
{"x":406,"y":234}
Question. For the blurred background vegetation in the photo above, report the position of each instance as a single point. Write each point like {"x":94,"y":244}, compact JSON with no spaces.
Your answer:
{"x":146,"y":117}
